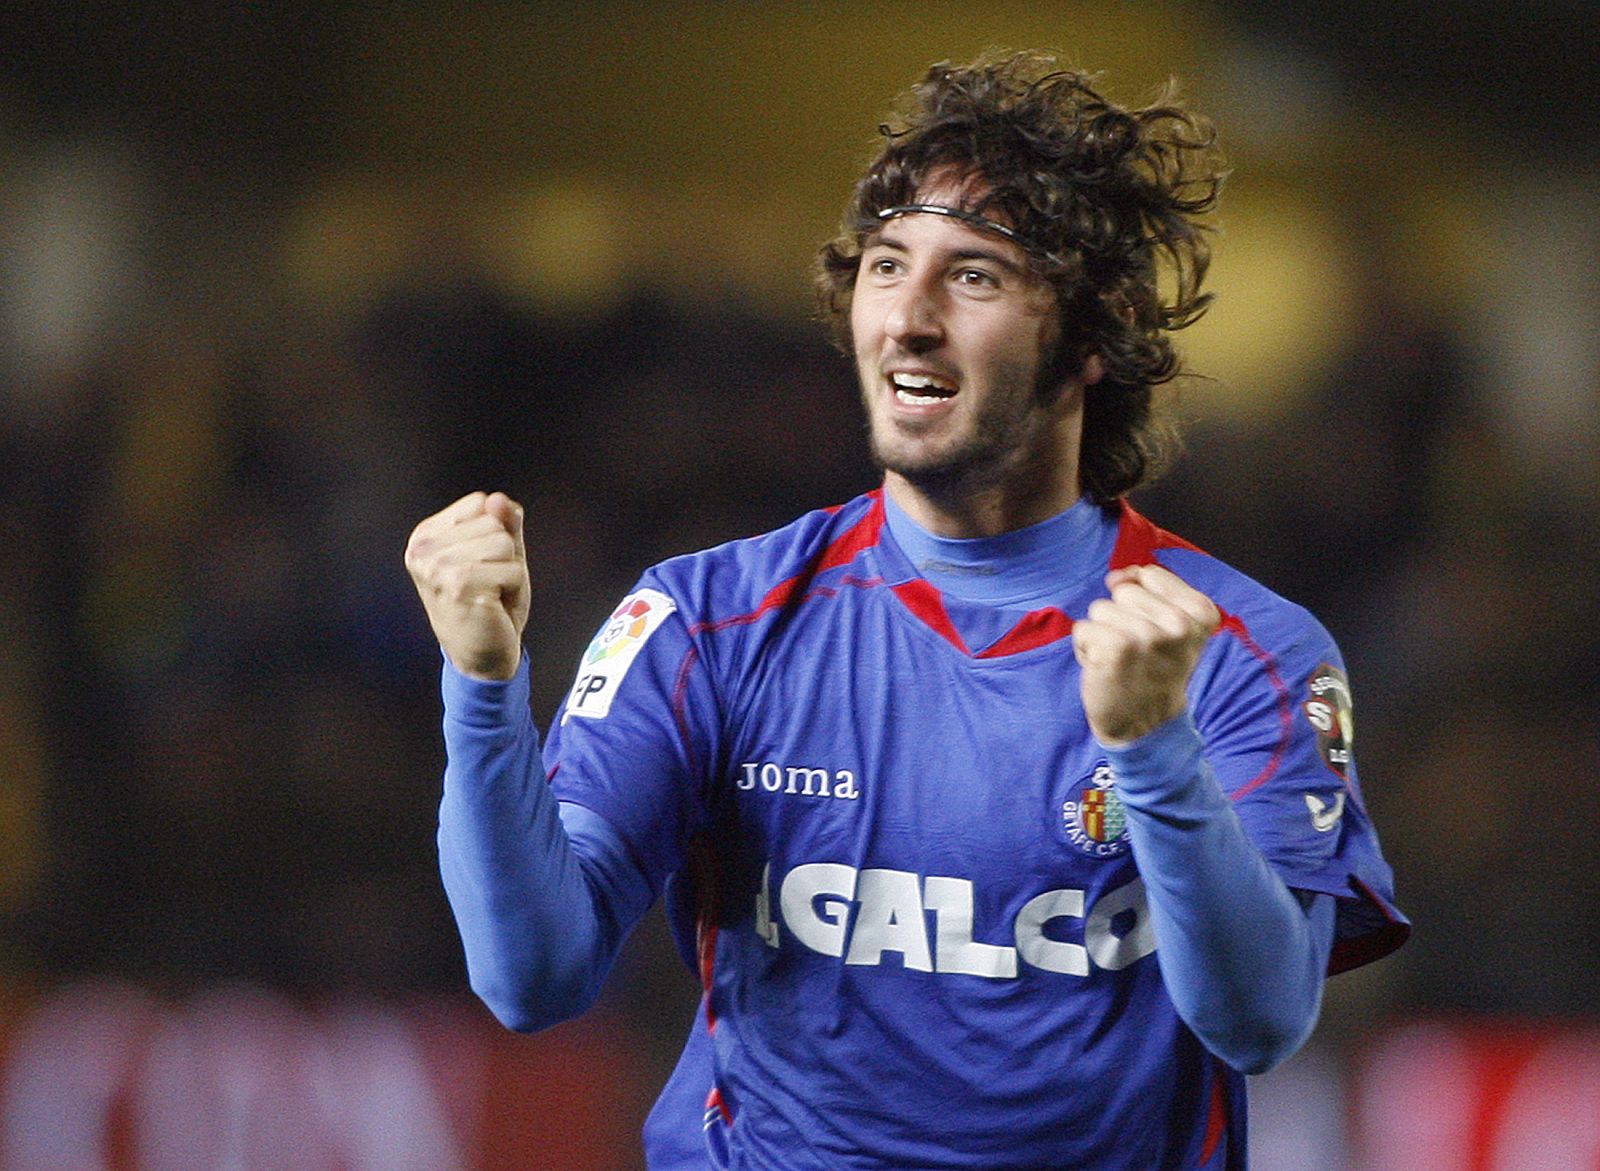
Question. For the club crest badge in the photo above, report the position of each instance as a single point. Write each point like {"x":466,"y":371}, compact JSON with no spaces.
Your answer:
{"x":1332,"y":714}
{"x":1093,"y":817}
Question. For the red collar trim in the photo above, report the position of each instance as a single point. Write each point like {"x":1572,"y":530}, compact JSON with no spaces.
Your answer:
{"x":1138,"y":540}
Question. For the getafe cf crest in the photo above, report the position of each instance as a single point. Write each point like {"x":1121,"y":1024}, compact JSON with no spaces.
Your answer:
{"x":1093,"y":816}
{"x":1331,"y":712}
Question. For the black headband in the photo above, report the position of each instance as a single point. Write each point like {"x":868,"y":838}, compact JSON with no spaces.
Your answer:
{"x":966,"y":217}
{"x":956,"y":213}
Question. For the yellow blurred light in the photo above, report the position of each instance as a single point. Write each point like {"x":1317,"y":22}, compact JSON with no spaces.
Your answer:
{"x":710,"y":145}
{"x":349,"y":239}
{"x":559,"y":244}
{"x":1283,"y":311}
{"x":1444,"y":254}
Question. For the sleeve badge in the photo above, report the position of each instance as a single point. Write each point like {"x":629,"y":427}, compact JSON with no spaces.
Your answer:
{"x":1331,"y":714}
{"x":612,"y":651}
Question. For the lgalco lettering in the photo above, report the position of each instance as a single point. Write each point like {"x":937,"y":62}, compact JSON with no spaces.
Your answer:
{"x":858,"y":915}
{"x":797,"y":780}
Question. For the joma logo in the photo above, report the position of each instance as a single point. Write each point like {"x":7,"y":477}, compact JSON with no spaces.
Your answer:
{"x":798,"y":780}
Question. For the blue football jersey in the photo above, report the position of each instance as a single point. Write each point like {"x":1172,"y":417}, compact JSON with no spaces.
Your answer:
{"x":899,"y":864}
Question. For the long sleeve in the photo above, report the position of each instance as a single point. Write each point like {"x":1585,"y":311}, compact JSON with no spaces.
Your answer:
{"x":543,"y":892}
{"x":1242,"y":958}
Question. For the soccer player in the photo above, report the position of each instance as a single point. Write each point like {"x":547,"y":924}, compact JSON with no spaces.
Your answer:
{"x":1003,"y":828}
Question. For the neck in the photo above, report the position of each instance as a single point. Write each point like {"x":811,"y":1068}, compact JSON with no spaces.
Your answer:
{"x":1046,"y":563}
{"x":965,"y":510}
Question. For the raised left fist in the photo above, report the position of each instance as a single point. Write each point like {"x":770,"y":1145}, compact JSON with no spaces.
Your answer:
{"x":1138,"y":648}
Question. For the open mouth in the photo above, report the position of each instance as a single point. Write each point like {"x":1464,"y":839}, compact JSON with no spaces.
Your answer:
{"x":920,"y":390}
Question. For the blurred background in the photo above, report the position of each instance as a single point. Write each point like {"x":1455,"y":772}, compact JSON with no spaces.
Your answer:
{"x":277,"y":280}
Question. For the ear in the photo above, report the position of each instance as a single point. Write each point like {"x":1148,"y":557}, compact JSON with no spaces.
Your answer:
{"x":1092,"y":371}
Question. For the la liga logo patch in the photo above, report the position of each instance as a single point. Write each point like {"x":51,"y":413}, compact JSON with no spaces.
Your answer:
{"x":628,"y":623}
{"x":605,"y":664}
{"x":1093,"y":817}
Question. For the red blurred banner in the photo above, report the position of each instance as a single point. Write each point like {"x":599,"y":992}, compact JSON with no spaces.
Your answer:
{"x":1479,"y":1096}
{"x":109,"y":1076}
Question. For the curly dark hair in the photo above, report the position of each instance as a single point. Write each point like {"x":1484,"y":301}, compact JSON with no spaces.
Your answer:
{"x":1103,"y":195}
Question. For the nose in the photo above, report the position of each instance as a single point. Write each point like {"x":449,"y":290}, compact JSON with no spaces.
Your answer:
{"x":914,"y":321}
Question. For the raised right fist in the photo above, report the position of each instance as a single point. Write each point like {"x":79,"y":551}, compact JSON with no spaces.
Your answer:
{"x":470,"y":567}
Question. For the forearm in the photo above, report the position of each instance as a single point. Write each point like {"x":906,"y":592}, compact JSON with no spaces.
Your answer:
{"x":1242,"y":959}
{"x":542,"y":894}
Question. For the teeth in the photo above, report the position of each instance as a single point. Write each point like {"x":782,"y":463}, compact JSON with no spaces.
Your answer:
{"x":906,"y":386}
{"x":918,"y":381}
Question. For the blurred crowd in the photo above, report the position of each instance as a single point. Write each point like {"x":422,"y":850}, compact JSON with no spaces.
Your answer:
{"x":218,"y":708}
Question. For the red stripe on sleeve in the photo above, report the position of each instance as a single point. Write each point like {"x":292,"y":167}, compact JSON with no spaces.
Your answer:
{"x":1217,"y":1115}
{"x":680,"y":715}
{"x":1233,"y":626}
{"x":1356,"y":950}
{"x":1137,"y":542}
{"x":702,"y":867}
{"x":861,"y":535}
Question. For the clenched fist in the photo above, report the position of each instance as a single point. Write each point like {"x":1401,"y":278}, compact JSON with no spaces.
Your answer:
{"x":1138,"y":648}
{"x":470,"y":566}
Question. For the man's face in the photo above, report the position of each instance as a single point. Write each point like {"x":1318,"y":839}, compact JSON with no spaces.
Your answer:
{"x":953,"y":334}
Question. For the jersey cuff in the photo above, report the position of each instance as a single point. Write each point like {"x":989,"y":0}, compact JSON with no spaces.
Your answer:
{"x":484,"y":703}
{"x":1160,"y":763}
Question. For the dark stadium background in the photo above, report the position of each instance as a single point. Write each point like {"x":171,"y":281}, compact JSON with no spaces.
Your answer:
{"x":276,"y":280}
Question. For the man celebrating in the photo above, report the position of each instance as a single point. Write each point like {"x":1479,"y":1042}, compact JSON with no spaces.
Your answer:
{"x":1003,"y":828}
